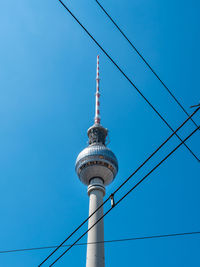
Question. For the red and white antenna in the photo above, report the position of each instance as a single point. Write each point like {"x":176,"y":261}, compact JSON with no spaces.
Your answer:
{"x":97,"y":104}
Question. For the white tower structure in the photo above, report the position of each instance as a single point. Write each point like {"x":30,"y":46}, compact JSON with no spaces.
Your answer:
{"x":96,"y":167}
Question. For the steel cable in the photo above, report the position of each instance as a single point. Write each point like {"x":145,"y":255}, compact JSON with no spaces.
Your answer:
{"x":144,"y":60}
{"x":128,"y":79}
{"x":120,"y":186}
{"x":125,"y":195}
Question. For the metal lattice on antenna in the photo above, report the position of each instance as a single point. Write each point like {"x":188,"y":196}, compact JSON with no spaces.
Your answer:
{"x":97,"y":104}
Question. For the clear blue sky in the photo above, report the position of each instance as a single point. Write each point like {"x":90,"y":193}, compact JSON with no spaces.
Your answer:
{"x":47,"y":86}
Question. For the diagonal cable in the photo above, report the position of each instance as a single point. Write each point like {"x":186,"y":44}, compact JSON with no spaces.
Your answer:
{"x":128,"y":79}
{"x":125,"y":195}
{"x":144,"y":60}
{"x":105,"y":201}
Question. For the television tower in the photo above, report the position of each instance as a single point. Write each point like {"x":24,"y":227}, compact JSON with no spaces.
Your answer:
{"x":96,"y":167}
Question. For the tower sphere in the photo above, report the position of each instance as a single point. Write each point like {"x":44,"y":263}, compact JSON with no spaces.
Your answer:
{"x":96,"y":160}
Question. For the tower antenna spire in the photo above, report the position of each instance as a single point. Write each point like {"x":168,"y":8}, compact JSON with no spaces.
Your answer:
{"x":97,"y":103}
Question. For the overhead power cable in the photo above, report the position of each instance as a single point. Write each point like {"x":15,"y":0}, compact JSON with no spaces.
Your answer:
{"x":100,"y":242}
{"x":105,"y":201}
{"x":125,"y":195}
{"x":128,"y":79}
{"x":195,"y":106}
{"x":144,"y":60}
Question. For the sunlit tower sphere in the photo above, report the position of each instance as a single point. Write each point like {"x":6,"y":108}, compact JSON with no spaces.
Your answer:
{"x":96,"y":167}
{"x":96,"y":160}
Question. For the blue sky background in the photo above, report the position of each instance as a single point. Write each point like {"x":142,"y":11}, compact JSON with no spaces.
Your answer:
{"x":47,"y":86}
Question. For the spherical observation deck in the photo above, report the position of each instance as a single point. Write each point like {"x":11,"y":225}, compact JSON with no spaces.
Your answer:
{"x":96,"y":160}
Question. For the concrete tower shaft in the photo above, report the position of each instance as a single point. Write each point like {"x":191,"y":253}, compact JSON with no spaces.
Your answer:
{"x":95,"y":251}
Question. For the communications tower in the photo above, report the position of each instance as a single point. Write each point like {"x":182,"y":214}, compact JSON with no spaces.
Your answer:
{"x":96,"y":167}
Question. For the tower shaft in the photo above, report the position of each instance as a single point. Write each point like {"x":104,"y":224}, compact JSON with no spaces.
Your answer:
{"x":95,"y":251}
